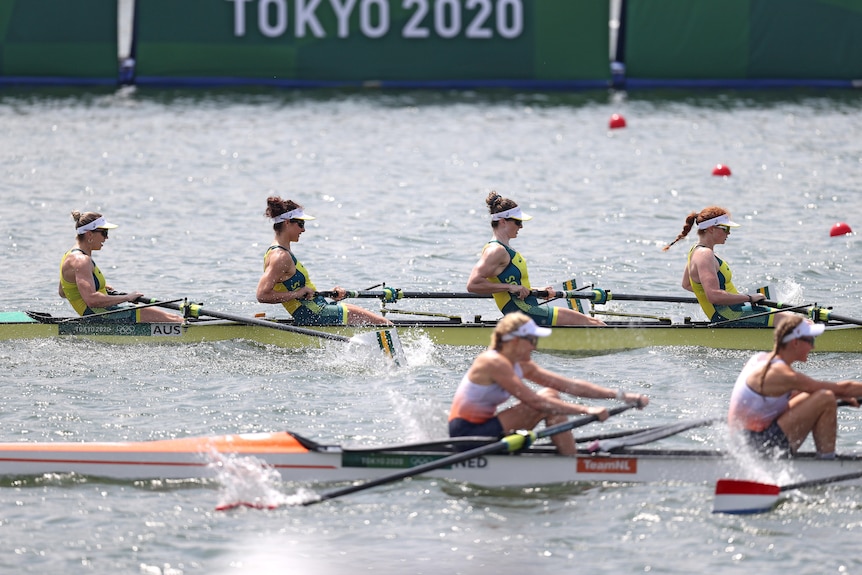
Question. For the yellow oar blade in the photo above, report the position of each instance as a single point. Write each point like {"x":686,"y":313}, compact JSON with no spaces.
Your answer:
{"x":580,"y":305}
{"x":387,"y":341}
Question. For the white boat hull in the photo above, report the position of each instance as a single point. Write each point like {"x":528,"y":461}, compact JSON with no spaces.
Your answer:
{"x":304,"y":461}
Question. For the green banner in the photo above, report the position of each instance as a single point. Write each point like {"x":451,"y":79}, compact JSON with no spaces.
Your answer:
{"x":72,"y":39}
{"x":743,"y":39}
{"x":367,"y":41}
{"x":819,"y":39}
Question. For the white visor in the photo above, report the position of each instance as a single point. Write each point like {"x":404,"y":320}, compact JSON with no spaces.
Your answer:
{"x":99,"y":224}
{"x":526,"y":330}
{"x":722,"y":220}
{"x":296,"y":214}
{"x":805,"y":329}
{"x":513,"y":214}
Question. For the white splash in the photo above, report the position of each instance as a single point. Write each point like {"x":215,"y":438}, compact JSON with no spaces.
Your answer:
{"x":247,"y":481}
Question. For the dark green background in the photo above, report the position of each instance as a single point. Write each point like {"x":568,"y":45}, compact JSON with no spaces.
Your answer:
{"x":67,"y":38}
{"x":744,"y":39}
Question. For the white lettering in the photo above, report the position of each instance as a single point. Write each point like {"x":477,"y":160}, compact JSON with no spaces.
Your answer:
{"x":475,"y":463}
{"x":173,"y":329}
{"x":239,"y":16}
{"x":602,"y":465}
{"x":280,"y":26}
{"x":447,"y":25}
{"x":342,"y":13}
{"x":365,"y":24}
{"x":413,"y":28}
{"x":510,"y":28}
{"x":305,"y":17}
{"x":477,"y":28}
{"x":471,"y":19}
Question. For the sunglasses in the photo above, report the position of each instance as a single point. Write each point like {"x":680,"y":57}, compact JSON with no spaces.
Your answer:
{"x":726,"y":229}
{"x":103,"y":232}
{"x":300,"y":223}
{"x":518,"y":223}
{"x":534,"y":340}
{"x":808,"y":340}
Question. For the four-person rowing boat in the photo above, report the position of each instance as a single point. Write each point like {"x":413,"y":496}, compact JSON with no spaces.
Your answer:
{"x":839,"y":337}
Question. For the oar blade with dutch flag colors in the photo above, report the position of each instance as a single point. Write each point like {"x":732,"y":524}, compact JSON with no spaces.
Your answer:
{"x":738,"y":496}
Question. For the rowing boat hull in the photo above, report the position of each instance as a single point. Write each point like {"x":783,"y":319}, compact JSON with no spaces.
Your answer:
{"x":615,"y":336}
{"x":303,"y":461}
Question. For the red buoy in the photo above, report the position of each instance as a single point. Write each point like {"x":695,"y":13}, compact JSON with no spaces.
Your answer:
{"x":617,"y":121}
{"x":720,"y":170}
{"x":840,"y":229}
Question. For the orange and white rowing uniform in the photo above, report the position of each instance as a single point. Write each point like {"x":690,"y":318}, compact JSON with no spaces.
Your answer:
{"x":474,"y":407}
{"x":756,"y":415}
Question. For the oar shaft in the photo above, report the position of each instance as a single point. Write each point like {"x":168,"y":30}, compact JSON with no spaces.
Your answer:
{"x":579,"y":422}
{"x":196,"y":311}
{"x":510,"y":443}
{"x":816,"y":313}
{"x":760,"y":314}
{"x":822,"y":481}
{"x":845,"y":403}
{"x":651,"y":435}
{"x":498,"y":446}
{"x":398,"y":294}
{"x":96,"y":316}
{"x":595,"y":295}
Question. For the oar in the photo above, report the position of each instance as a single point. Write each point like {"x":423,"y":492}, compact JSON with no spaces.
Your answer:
{"x":637,"y":315}
{"x":386,"y":310}
{"x":387,"y":339}
{"x":845,"y":403}
{"x":391,"y":295}
{"x":738,"y":496}
{"x":595,"y":295}
{"x":648,"y":435}
{"x":760,"y":314}
{"x":49,"y":319}
{"x":815,"y":312}
{"x":600,"y":296}
{"x":510,"y":443}
{"x":615,"y":434}
{"x":92,"y":316}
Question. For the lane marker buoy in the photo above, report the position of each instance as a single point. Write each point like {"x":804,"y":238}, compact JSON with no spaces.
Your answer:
{"x":720,"y":170}
{"x":617,"y":121}
{"x":840,"y":229}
